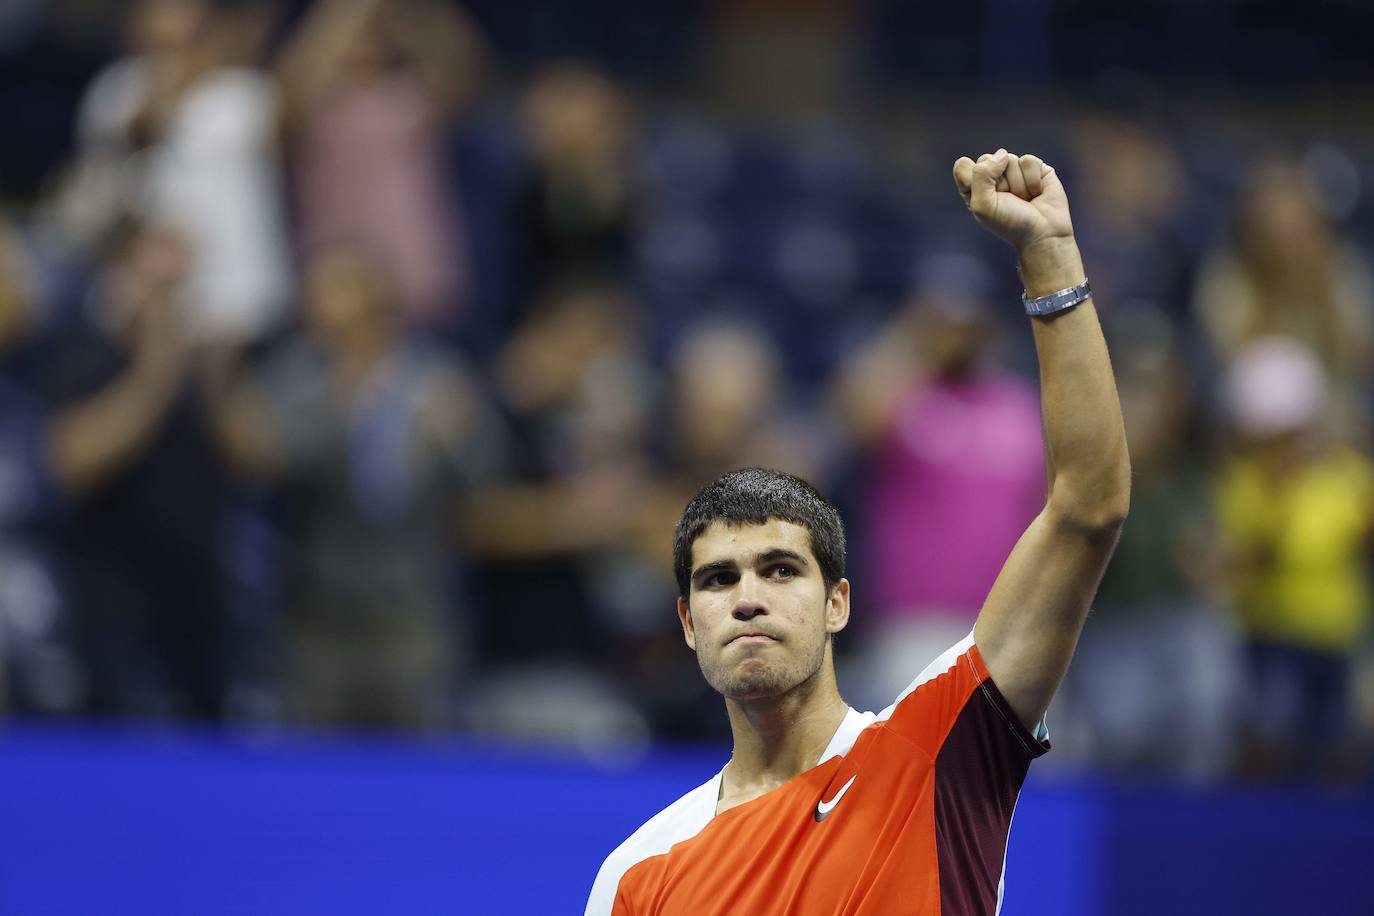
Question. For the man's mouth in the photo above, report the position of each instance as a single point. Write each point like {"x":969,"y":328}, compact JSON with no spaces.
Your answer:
{"x":752,"y":639}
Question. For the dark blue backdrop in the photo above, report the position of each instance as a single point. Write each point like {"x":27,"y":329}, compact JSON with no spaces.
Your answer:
{"x":110,"y":823}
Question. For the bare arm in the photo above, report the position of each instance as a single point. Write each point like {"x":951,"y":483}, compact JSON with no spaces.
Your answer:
{"x":91,"y":440}
{"x":238,"y":415}
{"x":314,"y":57}
{"x":442,"y":46}
{"x":531,"y":521}
{"x":1030,"y":623}
{"x":869,"y":390}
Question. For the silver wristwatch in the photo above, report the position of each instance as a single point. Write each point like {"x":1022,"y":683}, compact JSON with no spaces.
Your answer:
{"x":1061,"y":301}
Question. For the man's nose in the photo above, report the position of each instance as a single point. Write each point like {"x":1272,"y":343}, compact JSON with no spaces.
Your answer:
{"x":748,"y":600}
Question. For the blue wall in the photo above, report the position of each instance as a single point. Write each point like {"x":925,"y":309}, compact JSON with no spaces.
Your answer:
{"x":115,"y":823}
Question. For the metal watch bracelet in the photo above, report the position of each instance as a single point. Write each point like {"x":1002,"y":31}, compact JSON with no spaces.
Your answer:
{"x":1054,"y":303}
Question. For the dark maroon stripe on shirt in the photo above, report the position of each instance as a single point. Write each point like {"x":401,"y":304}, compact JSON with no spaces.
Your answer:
{"x":978,"y":774}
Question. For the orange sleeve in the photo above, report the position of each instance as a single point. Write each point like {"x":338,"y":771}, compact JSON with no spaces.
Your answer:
{"x":927,"y":710}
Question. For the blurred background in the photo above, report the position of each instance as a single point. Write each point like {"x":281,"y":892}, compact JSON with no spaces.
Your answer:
{"x":356,"y":357}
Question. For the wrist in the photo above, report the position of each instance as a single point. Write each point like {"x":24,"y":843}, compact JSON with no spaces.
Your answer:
{"x":1050,"y":265}
{"x":156,"y":366}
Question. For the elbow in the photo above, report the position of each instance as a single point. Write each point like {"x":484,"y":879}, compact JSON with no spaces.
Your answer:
{"x":1099,"y":524}
{"x":1114,"y":503}
{"x":1098,"y":511}
{"x":1112,"y":515}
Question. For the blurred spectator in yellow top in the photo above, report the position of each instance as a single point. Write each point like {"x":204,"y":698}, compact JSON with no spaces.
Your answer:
{"x":1296,"y":509}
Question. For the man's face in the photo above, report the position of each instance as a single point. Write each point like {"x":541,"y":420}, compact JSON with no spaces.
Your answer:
{"x":759,"y":617}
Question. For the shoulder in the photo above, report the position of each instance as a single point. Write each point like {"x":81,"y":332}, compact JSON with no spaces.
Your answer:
{"x":293,"y":364}
{"x":1352,"y":461}
{"x":81,"y":360}
{"x":681,"y":820}
{"x":241,"y":89}
{"x":1239,"y":478}
{"x":957,"y":688}
{"x":1354,"y":272}
{"x":111,"y":99}
{"x":1355,"y":472}
{"x":234,"y":103}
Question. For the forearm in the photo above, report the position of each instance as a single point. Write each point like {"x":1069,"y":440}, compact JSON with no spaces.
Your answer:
{"x":244,"y":429}
{"x":1029,"y":625}
{"x":531,"y":521}
{"x":314,"y":56}
{"x":1085,"y":439}
{"x":442,"y":46}
{"x":89,"y":441}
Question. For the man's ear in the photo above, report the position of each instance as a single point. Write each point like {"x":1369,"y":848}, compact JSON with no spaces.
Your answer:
{"x":837,"y":607}
{"x":684,"y":613}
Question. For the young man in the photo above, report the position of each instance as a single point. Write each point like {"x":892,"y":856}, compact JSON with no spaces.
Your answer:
{"x":823,"y":809}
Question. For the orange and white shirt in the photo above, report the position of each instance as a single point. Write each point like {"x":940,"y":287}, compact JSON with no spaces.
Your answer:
{"x":907,"y":813}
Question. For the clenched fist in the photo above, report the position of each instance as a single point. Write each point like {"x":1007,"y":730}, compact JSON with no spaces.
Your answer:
{"x":1019,"y":198}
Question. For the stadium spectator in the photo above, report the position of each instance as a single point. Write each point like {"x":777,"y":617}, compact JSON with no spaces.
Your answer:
{"x":372,"y":89}
{"x":730,"y":406}
{"x":1135,"y":242}
{"x":575,"y":208}
{"x":562,"y":573}
{"x":580,"y":393}
{"x":1296,"y":508}
{"x":1289,"y":271}
{"x":184,"y":130}
{"x":36,"y":673}
{"x":952,"y":470}
{"x":373,"y":438}
{"x":144,"y":488}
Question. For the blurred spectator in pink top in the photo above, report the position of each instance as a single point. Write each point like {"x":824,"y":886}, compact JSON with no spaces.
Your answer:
{"x":371,"y":86}
{"x":955,"y":471}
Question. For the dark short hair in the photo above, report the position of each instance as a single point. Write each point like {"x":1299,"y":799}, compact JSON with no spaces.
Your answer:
{"x":752,"y":496}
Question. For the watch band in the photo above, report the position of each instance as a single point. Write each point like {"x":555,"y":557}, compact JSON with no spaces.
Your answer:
{"x":1061,"y":301}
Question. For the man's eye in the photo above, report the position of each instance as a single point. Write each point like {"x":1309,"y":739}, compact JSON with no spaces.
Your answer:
{"x":716,"y":580}
{"x":783,"y":572}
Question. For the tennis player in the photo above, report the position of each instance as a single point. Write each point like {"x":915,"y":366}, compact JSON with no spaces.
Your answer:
{"x":823,"y":809}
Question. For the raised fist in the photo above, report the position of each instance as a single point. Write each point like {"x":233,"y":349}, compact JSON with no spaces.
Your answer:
{"x":1019,"y":198}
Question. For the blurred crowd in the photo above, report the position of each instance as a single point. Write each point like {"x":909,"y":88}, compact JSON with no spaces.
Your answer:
{"x":352,"y":377}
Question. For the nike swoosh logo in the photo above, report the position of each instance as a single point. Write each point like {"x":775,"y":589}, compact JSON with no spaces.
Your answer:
{"x":823,"y":808}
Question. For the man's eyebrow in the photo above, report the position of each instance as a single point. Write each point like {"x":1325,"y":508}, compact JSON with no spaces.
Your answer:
{"x":781,"y":553}
{"x":714,"y":566}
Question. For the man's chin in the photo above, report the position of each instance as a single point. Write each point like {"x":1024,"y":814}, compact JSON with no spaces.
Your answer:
{"x":759,"y":685}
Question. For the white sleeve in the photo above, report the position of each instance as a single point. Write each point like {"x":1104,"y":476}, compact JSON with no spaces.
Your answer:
{"x":110,"y":102}
{"x":602,"y":899}
{"x":681,"y":820}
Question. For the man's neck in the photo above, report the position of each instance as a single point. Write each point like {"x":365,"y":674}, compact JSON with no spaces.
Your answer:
{"x":776,"y":738}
